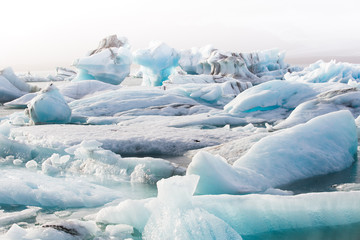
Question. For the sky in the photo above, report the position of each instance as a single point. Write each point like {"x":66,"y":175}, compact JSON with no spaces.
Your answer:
{"x":44,"y":34}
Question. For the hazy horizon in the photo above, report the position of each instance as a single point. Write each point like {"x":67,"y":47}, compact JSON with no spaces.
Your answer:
{"x":40,"y":35}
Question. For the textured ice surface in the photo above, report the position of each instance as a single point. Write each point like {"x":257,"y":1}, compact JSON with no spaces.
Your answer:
{"x":332,"y":71}
{"x":136,"y":101}
{"x":256,"y":67}
{"x":323,"y":145}
{"x":194,"y":60}
{"x":277,"y":94}
{"x":157,"y":62}
{"x":131,"y":138}
{"x":12,"y":87}
{"x":176,"y":213}
{"x":109,"y":63}
{"x":71,"y":91}
{"x":331,"y":101}
{"x":64,"y":230}
{"x":105,"y":166}
{"x":49,"y":106}
{"x":24,"y":187}
{"x":7,"y":218}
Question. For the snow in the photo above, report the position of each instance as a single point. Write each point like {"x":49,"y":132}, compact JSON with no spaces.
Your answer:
{"x":49,"y":106}
{"x":323,"y":145}
{"x":157,"y":63}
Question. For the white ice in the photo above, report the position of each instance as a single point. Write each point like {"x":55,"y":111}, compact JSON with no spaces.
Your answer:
{"x":323,"y":145}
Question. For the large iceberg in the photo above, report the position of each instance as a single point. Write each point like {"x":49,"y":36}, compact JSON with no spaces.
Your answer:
{"x":176,"y":213}
{"x":49,"y":106}
{"x":109,"y":63}
{"x":256,"y":67}
{"x":157,"y":63}
{"x":332,"y":71}
{"x":323,"y":145}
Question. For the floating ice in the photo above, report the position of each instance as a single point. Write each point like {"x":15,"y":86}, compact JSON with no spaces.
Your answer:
{"x":49,"y":106}
{"x":135,"y":101}
{"x":157,"y":62}
{"x":7,"y":218}
{"x":332,"y":71}
{"x":132,"y":137}
{"x":282,"y":96}
{"x":12,"y":87}
{"x":176,"y":213}
{"x":331,"y":101}
{"x":93,"y":161}
{"x":323,"y":145}
{"x":109,"y":63}
{"x":256,"y":67}
{"x":24,"y":187}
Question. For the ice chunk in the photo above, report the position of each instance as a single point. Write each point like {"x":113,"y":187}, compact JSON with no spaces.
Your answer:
{"x":49,"y":106}
{"x":176,"y":218}
{"x":277,"y":94}
{"x":18,"y":186}
{"x":348,"y":187}
{"x":331,"y":101}
{"x":157,"y":62}
{"x":12,"y":87}
{"x":332,"y":71}
{"x":7,"y":218}
{"x":110,"y":63}
{"x":323,"y":145}
{"x":194,"y":60}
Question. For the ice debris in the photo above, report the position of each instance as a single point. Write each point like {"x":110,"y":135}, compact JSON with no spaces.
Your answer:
{"x":157,"y":63}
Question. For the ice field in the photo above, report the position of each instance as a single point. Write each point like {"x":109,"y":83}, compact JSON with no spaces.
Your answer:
{"x":196,"y":143}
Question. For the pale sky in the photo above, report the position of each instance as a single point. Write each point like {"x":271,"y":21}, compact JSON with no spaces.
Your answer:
{"x":43,"y":34}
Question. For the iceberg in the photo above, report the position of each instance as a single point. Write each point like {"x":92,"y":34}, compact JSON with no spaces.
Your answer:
{"x":332,"y":71}
{"x":176,"y":213}
{"x":157,"y":63}
{"x":110,"y":63}
{"x":275,"y":98}
{"x":49,"y":106}
{"x":323,"y":145}
{"x":256,"y":67}
{"x":194,"y":60}
{"x":330,"y":101}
